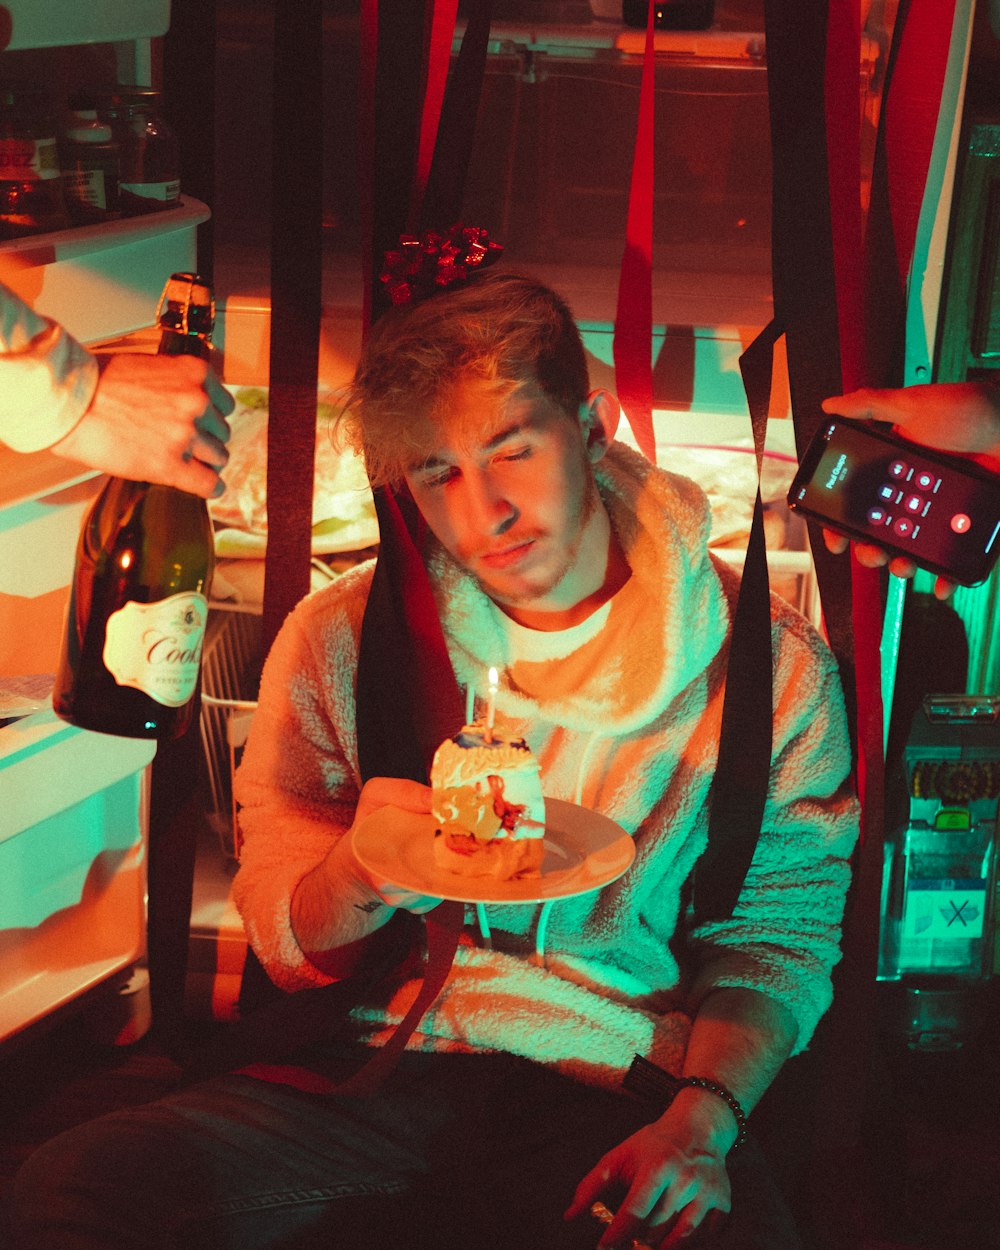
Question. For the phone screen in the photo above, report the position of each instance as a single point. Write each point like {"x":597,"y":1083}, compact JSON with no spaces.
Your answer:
{"x":937,"y":511}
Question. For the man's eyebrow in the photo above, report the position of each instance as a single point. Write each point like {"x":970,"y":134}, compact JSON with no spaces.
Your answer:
{"x":428,"y":465}
{"x":508,"y":431}
{"x":435,"y":462}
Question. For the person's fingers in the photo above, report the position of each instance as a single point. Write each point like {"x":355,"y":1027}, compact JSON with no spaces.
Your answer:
{"x":410,"y":796}
{"x":835,"y":542}
{"x":208,"y":449}
{"x":214,"y":424}
{"x":407,"y":900}
{"x":900,"y":566}
{"x":218,"y":394}
{"x":678,"y":1231}
{"x":870,"y":556}
{"x":200,"y":374}
{"x":590,"y":1188}
{"x":198,"y":478}
{"x":684,"y":1232}
{"x":645,"y":1194}
{"x":856,"y":405}
{"x":424,"y":906}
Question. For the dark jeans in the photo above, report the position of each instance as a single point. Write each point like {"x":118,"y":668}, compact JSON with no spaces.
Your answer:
{"x":464,"y":1151}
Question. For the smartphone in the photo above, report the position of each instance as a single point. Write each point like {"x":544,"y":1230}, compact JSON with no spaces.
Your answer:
{"x":940,"y":511}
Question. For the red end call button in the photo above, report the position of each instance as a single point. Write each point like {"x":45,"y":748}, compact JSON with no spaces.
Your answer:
{"x":960,"y":523}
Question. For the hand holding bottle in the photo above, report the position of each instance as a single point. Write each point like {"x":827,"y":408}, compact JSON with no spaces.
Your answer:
{"x":138,"y":605}
{"x":155,"y":419}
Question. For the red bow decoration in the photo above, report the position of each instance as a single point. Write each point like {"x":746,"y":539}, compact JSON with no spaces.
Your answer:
{"x":434,"y":261}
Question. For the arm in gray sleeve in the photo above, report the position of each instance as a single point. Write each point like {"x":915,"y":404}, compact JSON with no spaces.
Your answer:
{"x":47,"y":380}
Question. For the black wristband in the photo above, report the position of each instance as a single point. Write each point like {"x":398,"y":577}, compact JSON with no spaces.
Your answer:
{"x":649,"y":1081}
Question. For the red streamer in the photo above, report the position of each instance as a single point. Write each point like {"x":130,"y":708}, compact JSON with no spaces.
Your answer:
{"x":439,"y":40}
{"x":843,"y":157}
{"x":634,"y":315}
{"x":911,"y":114}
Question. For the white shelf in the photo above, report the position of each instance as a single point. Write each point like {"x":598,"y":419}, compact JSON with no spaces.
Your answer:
{"x":75,"y":241}
{"x":64,"y":23}
{"x":100,"y":281}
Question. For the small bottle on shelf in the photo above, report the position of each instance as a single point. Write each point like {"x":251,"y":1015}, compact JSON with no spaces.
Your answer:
{"x":31,"y":190}
{"x":150,"y":164}
{"x":89,"y":158}
{"x":138,"y":605}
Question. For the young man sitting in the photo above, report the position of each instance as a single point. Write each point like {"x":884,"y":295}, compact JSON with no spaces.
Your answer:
{"x":583,"y":573}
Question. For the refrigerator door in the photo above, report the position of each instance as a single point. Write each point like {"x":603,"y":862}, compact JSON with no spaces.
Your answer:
{"x":72,"y":863}
{"x":74,"y":817}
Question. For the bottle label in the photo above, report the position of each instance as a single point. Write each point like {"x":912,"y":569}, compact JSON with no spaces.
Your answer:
{"x":945,"y":908}
{"x":28,"y":160}
{"x":87,"y":186}
{"x":156,"y":647}
{"x":167,"y":192}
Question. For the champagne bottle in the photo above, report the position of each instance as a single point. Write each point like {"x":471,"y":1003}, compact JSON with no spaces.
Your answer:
{"x":139,"y":600}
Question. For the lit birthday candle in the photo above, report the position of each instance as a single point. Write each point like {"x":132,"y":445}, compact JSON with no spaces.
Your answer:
{"x":491,"y":705}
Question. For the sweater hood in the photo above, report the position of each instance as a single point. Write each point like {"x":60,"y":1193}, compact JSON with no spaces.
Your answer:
{"x":662,"y":522}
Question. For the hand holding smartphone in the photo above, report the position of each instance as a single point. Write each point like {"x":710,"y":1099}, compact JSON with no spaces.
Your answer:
{"x":936,"y":510}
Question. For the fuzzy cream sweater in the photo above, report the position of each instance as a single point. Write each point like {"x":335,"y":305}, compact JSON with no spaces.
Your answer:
{"x":624,"y":715}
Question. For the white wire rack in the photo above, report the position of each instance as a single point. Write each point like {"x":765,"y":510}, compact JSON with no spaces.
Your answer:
{"x":232,"y":658}
{"x":230,"y":675}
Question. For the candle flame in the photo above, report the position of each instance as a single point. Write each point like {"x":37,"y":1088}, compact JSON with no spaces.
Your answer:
{"x":494,"y":677}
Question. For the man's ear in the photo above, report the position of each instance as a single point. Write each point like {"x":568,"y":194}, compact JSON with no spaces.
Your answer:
{"x":599,"y":417}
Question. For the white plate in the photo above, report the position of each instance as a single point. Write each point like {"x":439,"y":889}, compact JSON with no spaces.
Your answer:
{"x":583,"y":851}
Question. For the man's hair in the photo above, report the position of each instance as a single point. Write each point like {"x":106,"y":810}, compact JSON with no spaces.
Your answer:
{"x":500,"y":330}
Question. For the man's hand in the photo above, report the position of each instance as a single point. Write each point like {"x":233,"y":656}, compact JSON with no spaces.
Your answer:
{"x":411,"y":796}
{"x":673,"y":1173}
{"x":957,"y":417}
{"x":339,"y":904}
{"x":155,"y":419}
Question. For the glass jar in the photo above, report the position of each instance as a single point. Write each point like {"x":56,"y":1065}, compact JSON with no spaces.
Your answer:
{"x":149,"y":169}
{"x":31,"y":190}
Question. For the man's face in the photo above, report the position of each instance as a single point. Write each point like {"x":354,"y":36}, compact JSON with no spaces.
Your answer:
{"x":514,"y":501}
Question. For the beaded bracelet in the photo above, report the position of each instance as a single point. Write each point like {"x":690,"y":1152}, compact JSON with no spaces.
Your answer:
{"x":713,"y":1087}
{"x":648,"y":1080}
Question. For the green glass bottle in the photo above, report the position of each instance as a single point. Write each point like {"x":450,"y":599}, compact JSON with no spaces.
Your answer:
{"x":138,"y":604}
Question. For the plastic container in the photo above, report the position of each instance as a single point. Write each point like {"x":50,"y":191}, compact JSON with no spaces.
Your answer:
{"x":941,"y":900}
{"x":939,"y":876}
{"x":940,"y":865}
